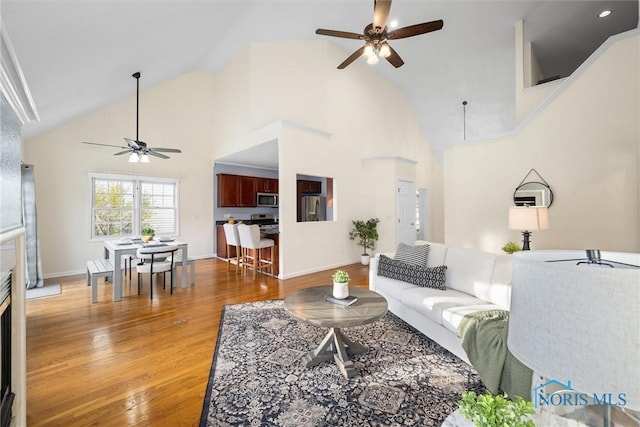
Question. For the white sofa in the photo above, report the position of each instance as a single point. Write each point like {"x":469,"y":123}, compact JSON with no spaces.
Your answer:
{"x":475,"y":281}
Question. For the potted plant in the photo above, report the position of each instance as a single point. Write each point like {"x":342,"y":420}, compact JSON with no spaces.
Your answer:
{"x":147,"y":234}
{"x":488,"y":410}
{"x":340,"y":284}
{"x":366,"y":233}
{"x":511,"y":247}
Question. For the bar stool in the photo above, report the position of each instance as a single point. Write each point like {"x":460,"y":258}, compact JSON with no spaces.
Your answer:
{"x":252,"y":246}
{"x":233,"y":241}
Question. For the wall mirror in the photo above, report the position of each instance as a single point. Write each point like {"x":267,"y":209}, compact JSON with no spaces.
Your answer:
{"x":532,"y":192}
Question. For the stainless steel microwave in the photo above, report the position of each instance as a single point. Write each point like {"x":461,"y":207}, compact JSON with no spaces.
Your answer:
{"x":267,"y":200}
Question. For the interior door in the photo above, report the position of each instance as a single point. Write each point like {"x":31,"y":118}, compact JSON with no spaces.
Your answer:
{"x":422,"y":220}
{"x":406,"y":202}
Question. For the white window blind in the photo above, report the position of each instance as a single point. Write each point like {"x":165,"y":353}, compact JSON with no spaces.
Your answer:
{"x":159,"y":207}
{"x":123,"y":205}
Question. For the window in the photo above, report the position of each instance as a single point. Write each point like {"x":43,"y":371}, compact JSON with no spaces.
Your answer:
{"x":123,"y":205}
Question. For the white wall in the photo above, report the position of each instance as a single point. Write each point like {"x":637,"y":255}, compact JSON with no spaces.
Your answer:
{"x":338,"y":134}
{"x":174,"y":114}
{"x":323,"y":125}
{"x":527,"y":72}
{"x":585,"y":143}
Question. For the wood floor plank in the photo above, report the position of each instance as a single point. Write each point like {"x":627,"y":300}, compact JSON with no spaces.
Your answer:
{"x":137,"y":362}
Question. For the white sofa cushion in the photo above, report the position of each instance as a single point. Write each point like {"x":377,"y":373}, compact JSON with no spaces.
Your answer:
{"x":390,"y":287}
{"x":452,"y":316}
{"x":469,"y":271}
{"x":498,"y":291}
{"x":432,"y":302}
{"x":437,"y":252}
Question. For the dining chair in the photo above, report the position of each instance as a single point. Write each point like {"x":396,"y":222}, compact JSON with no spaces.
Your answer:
{"x":252,"y":247}
{"x":156,"y":259}
{"x":232,"y":238}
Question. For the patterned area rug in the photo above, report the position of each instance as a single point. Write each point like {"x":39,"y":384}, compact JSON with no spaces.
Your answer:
{"x":257,"y":377}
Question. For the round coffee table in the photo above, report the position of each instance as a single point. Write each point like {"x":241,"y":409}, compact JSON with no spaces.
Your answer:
{"x":310,"y":306}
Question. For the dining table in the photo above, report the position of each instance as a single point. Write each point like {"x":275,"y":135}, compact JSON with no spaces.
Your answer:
{"x":115,"y":249}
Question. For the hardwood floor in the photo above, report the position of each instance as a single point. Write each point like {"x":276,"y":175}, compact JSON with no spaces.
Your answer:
{"x":137,"y":362}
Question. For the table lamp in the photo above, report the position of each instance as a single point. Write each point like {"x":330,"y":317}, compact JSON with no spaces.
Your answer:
{"x":577,"y":326}
{"x":528,"y":219}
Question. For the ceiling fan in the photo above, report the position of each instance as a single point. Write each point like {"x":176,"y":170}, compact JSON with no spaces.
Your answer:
{"x":376,"y":37}
{"x":138,"y":149}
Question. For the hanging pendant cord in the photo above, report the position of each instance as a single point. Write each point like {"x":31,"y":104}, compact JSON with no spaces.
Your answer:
{"x":137,"y":77}
{"x":464,"y":120}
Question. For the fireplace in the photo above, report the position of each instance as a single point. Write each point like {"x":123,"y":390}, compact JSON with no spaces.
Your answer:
{"x":6,"y":394}
{"x":13,"y":373}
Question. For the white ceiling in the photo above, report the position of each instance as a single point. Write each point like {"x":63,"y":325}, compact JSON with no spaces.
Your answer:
{"x":78,"y":56}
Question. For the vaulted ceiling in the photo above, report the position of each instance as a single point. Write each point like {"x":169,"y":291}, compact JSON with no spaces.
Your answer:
{"x":78,"y":56}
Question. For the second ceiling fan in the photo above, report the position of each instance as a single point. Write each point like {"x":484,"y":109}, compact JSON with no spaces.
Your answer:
{"x":138,"y":149}
{"x":376,"y":37}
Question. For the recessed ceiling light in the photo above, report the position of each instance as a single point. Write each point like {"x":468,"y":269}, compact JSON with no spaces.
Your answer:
{"x":604,"y":13}
{"x":393,"y":23}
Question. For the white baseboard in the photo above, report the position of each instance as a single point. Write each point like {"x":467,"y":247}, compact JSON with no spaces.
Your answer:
{"x":317,"y":269}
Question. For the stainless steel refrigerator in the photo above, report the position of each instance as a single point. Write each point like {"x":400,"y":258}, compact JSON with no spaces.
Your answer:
{"x":314,"y":208}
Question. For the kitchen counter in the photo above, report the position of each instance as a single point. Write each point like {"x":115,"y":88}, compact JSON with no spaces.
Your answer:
{"x":221,"y":244}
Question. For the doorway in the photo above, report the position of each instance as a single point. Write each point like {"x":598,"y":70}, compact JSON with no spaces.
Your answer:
{"x":422,"y":217}
{"x":406,"y":208}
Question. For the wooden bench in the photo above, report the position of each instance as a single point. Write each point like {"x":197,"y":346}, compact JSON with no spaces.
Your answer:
{"x":98,"y":268}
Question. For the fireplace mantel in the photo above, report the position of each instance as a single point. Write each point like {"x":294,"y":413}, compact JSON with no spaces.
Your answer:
{"x":12,"y":244}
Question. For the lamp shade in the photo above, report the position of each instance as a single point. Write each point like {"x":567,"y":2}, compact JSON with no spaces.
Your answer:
{"x":578,"y":325}
{"x":530,"y":218}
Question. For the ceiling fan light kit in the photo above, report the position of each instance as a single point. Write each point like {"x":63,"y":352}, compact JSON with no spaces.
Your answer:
{"x":139,"y":151}
{"x":376,"y":36}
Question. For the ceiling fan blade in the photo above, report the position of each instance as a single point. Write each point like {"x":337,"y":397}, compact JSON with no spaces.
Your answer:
{"x":133,"y":144}
{"x":342,"y":34}
{"x":166,"y":150}
{"x":351,"y":58}
{"x":123,"y":152}
{"x":153,"y":153}
{"x":104,"y":145}
{"x":414,"y":30}
{"x":380,"y":14}
{"x":394,"y":58}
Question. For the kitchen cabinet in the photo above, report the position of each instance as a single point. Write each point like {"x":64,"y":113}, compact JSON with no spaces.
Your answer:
{"x":266,"y":185}
{"x":309,"y":187}
{"x":236,"y":191}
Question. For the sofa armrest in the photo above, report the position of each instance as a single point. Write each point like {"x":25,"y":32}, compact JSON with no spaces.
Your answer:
{"x":373,"y":271}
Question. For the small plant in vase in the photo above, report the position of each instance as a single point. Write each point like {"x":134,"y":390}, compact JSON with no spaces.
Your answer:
{"x":366,"y":232}
{"x":340,"y":284}
{"x":511,"y":247}
{"x":147,"y":234}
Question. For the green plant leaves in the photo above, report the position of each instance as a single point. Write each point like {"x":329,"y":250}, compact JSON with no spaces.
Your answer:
{"x":365,"y":232}
{"x":488,"y":410}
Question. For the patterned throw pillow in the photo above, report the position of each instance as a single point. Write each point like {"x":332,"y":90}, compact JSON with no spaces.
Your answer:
{"x":414,"y":255}
{"x":427,"y":277}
